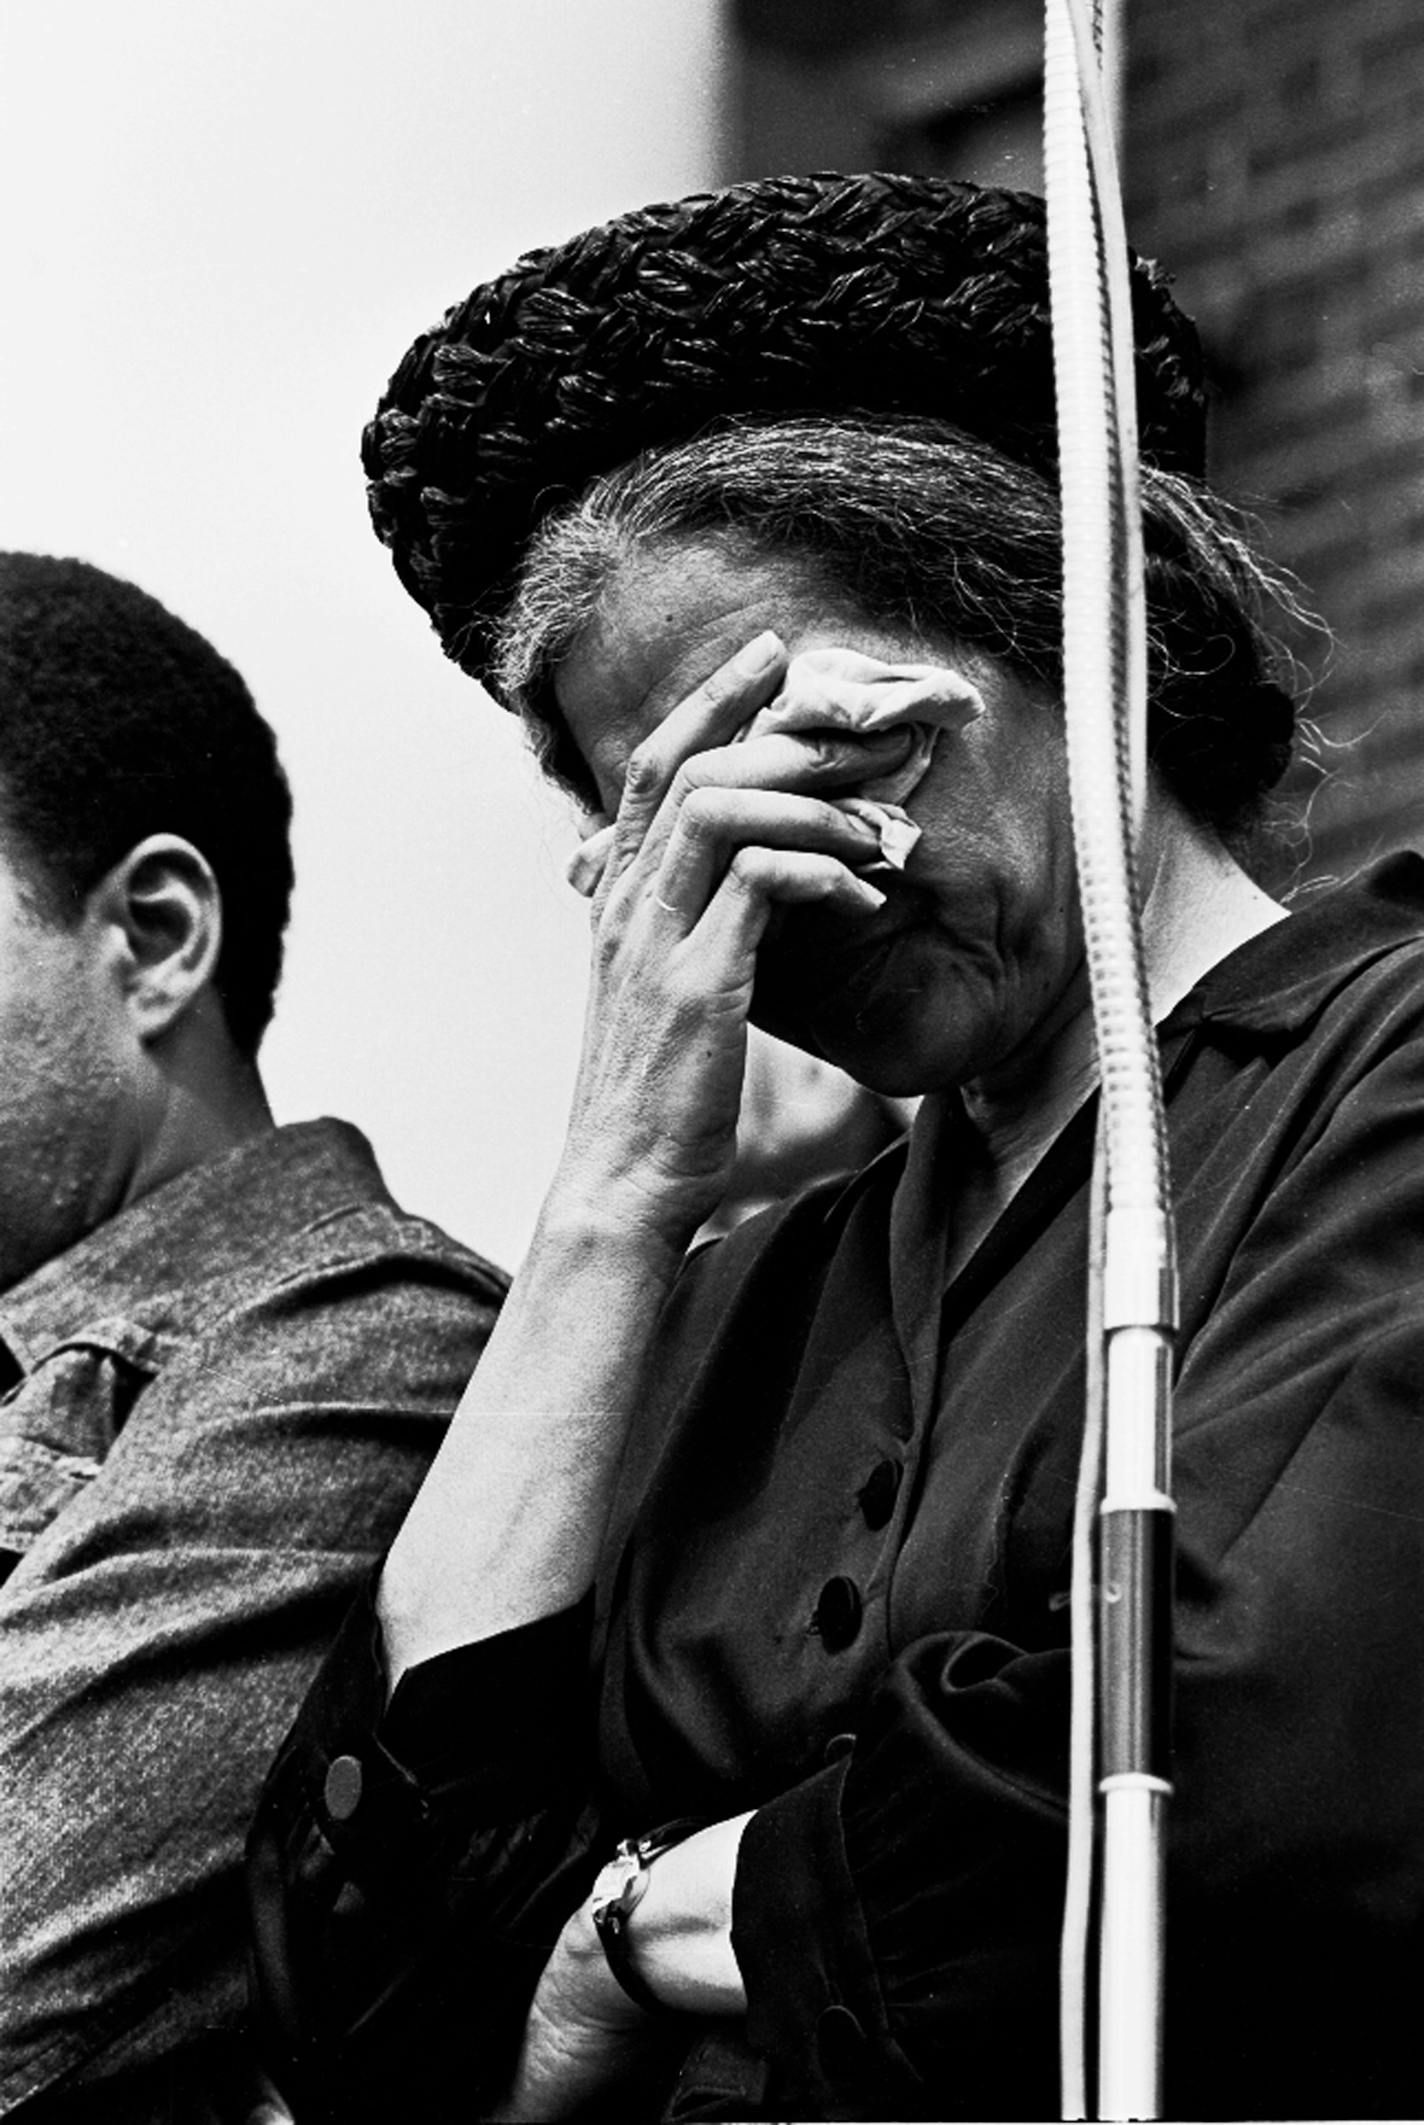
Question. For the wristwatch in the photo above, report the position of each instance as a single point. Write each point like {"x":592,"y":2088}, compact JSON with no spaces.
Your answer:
{"x":619,"y":1889}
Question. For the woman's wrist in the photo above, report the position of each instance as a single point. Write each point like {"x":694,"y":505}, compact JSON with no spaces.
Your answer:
{"x":615,"y":1225}
{"x":678,"y":1936}
{"x":585,"y":1228}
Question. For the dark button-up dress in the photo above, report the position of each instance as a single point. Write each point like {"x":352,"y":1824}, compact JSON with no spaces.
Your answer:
{"x":835,"y":1592}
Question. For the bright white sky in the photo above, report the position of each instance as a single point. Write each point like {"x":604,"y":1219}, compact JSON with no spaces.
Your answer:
{"x":224,"y":222}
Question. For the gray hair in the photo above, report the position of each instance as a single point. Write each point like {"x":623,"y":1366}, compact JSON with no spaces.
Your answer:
{"x":915,"y":523}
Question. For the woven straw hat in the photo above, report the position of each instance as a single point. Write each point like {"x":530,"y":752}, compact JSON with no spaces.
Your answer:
{"x":870,"y":294}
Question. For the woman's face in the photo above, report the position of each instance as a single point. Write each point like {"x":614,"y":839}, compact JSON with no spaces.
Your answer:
{"x":975,"y":959}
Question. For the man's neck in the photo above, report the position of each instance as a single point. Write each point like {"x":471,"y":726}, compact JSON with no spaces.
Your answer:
{"x":206,"y":1101}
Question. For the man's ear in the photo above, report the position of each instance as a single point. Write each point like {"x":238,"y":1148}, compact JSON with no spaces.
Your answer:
{"x":162,"y":911}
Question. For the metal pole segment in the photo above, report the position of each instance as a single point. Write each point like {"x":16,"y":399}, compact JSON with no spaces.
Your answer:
{"x":1129,"y":2050}
{"x":1079,"y":1883}
{"x":1135,"y":1644}
{"x":1135,"y":1570}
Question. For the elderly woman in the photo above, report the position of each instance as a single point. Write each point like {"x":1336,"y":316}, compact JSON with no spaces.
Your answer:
{"x":758,"y":1557}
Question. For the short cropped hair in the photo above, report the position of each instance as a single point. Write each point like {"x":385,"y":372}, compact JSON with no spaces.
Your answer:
{"x":118,"y":721}
{"x":913,"y":522}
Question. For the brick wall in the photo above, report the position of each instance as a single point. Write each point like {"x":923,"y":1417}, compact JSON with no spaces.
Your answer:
{"x":1275,"y":160}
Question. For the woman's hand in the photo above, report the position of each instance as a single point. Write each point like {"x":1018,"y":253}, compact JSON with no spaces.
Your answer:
{"x":710,"y":836}
{"x":584,"y":2036}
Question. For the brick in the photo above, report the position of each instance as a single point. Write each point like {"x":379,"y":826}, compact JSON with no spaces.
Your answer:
{"x":1276,"y":162}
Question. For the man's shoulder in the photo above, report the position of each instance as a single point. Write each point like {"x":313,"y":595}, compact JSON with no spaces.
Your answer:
{"x":349,"y":1212}
{"x":307,"y":1201}
{"x":290,"y":1231}
{"x":303,"y":1284}
{"x":315,"y":1220}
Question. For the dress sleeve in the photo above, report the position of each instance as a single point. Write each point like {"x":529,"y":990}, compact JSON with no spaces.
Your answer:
{"x":411,"y":1866}
{"x":156,"y":1640}
{"x":896,"y":1917}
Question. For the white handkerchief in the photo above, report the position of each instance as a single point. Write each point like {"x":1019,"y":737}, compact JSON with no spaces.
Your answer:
{"x":840,"y":689}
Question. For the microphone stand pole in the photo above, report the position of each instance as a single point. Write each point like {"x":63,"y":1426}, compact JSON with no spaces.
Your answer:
{"x":1134,"y":1281}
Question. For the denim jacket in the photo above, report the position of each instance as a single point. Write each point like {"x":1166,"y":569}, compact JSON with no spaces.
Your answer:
{"x":217,"y":1407}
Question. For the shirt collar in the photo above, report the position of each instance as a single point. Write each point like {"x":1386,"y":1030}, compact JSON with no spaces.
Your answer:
{"x":1280,"y":980}
{"x":218,"y":1218}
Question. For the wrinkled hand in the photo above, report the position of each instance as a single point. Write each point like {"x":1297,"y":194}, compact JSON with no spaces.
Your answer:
{"x":583,"y":2036}
{"x":711,"y":835}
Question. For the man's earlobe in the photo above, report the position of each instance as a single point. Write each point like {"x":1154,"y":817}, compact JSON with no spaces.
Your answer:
{"x":163,"y":910}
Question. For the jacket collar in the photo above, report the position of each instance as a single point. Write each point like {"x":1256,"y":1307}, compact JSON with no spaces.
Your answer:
{"x":147,"y":1265}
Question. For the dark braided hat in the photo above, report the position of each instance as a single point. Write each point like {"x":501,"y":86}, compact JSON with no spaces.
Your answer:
{"x":790,"y":295}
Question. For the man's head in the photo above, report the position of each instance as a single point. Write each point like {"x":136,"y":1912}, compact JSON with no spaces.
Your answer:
{"x":145,"y":877}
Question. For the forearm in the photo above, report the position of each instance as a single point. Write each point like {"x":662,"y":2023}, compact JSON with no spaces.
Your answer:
{"x":508,"y":1524}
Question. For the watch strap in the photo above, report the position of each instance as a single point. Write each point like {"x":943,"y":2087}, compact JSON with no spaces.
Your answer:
{"x":621,"y":1886}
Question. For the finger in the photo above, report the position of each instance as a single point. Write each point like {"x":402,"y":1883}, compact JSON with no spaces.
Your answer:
{"x":759,"y":879}
{"x":714,"y":825}
{"x":801,"y":760}
{"x":709,"y":716}
{"x":797,"y":764}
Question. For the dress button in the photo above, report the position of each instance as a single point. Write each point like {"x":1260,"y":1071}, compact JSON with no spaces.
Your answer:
{"x":342,"y":1790}
{"x":879,"y":1491}
{"x":838,"y":1614}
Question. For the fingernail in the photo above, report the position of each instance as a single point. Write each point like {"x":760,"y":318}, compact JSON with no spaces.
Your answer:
{"x":872,"y":894}
{"x":758,"y":654}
